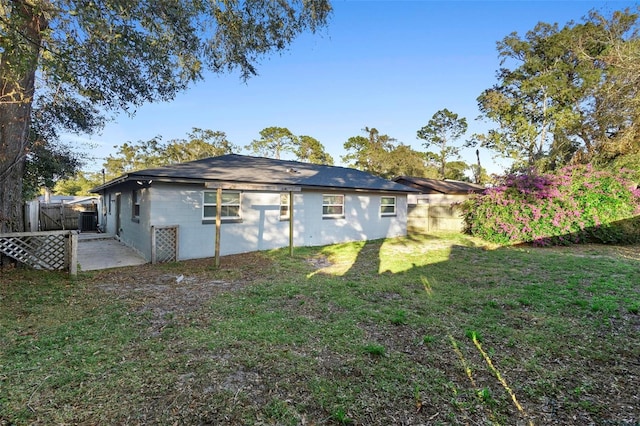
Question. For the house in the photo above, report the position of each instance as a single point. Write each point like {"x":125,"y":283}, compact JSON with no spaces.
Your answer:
{"x":329,"y":204}
{"x":434,"y":208}
{"x":436,"y":191}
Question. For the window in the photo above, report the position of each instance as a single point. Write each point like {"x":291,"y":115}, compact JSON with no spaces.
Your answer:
{"x":284,"y":206}
{"x":387,"y":206}
{"x":230,"y":208}
{"x":135,"y":202}
{"x":332,"y":206}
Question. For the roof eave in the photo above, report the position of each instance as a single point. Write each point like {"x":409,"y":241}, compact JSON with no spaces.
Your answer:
{"x":203,"y":181}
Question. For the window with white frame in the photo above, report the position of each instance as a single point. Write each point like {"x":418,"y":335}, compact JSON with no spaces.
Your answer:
{"x":387,"y":206}
{"x":284,"y":206}
{"x":135,"y":204}
{"x":230,"y":206}
{"x":332,"y":206}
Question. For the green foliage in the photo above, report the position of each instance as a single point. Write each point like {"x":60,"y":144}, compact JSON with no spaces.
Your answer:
{"x":442,"y":130}
{"x":200,"y":143}
{"x":428,"y":339}
{"x":369,"y":153}
{"x":381,"y":155}
{"x":399,"y":317}
{"x":275,"y":141}
{"x":578,"y":204}
{"x":341,"y":416}
{"x":95,"y":58}
{"x":456,"y":170}
{"x":47,"y":164}
{"x":567,"y":93}
{"x":310,"y":150}
{"x":473,"y":335}
{"x":374,"y":349}
{"x":80,"y":184}
{"x":119,"y":55}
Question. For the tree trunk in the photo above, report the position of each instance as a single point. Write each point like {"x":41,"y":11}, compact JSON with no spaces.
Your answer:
{"x":18,"y":64}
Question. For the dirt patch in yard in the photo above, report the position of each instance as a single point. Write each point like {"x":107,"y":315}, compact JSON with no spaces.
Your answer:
{"x":171,"y":292}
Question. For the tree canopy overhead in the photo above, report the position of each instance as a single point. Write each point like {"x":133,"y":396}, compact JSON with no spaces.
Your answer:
{"x":569,"y":94}
{"x":70,"y":62}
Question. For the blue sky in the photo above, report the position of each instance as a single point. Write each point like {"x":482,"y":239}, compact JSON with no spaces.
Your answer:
{"x":384,"y":64}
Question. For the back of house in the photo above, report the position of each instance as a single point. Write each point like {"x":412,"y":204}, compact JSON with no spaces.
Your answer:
{"x":170,"y":213}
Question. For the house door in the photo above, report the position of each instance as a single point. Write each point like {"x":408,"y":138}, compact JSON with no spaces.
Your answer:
{"x":118,"y":215}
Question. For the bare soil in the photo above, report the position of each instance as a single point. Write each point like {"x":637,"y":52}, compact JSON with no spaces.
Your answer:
{"x":164,"y":293}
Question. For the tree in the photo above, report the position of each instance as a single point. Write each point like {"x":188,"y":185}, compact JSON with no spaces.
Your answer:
{"x":380,"y":155}
{"x":201,"y":143}
{"x":79,"y":184}
{"x":403,"y":160}
{"x":47,"y":164}
{"x":457,"y":170}
{"x":571,"y":93}
{"x":273,"y":142}
{"x":444,"y":128}
{"x":369,"y":153}
{"x":479,"y":173}
{"x":94,"y":58}
{"x":310,"y":150}
{"x":132,"y":156}
{"x":615,"y":108}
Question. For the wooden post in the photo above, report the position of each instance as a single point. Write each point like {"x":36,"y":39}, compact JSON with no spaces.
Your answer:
{"x":73,"y":253}
{"x":153,"y":245}
{"x":290,"y":223}
{"x":218,"y":223}
{"x":63,"y":218}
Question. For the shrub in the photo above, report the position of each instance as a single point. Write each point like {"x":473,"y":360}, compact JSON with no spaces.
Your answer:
{"x":578,"y":204}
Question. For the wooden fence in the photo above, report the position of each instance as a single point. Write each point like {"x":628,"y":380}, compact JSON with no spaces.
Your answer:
{"x":53,"y":250}
{"x":59,"y":216}
{"x":425,"y":218}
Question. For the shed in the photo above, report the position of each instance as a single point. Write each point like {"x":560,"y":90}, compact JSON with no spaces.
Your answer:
{"x":169,"y":213}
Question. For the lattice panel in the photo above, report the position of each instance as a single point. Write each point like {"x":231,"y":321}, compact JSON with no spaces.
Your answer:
{"x":166,"y":240}
{"x":38,"y":251}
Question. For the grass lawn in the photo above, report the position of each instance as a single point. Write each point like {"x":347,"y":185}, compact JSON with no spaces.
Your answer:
{"x":435,"y":329}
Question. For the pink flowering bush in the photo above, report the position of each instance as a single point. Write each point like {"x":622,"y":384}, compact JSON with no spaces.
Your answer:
{"x":577,"y":204}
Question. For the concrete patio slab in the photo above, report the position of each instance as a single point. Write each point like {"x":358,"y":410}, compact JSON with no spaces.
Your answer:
{"x":102,"y":251}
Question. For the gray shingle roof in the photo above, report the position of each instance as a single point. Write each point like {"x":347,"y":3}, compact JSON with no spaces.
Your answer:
{"x":431,"y":186}
{"x":236,"y":168}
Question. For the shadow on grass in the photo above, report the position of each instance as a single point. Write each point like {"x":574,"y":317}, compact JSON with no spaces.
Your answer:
{"x":522,"y":335}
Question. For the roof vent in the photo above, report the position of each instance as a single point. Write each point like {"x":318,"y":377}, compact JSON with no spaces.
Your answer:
{"x":292,"y":170}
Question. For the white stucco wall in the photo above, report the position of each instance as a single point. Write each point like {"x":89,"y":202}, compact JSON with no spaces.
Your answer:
{"x":132,"y":232}
{"x":260,"y":227}
{"x":362,"y":220}
{"x":135,"y":232}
